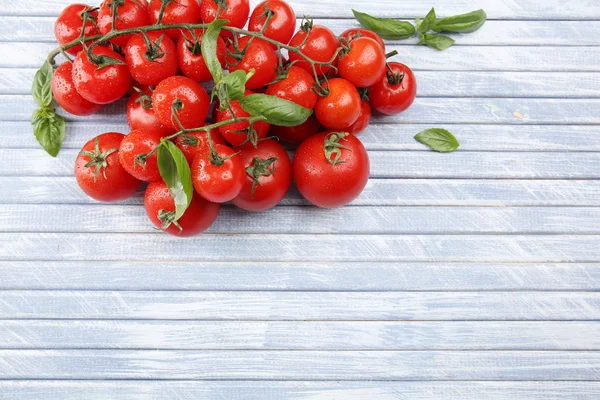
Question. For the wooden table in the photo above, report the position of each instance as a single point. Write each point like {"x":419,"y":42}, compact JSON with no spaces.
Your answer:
{"x":471,"y":275}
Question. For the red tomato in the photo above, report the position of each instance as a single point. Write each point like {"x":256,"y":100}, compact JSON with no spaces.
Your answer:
{"x":149,"y":65}
{"x":236,"y":13}
{"x":100,"y":85}
{"x":353,"y":33}
{"x":160,"y":207}
{"x":221,"y":180}
{"x":237,"y":133}
{"x":341,"y":107}
{"x":69,"y":23}
{"x":65,"y":94}
{"x":190,"y":59}
{"x":363,"y":119}
{"x":176,"y":12}
{"x":395,"y":92}
{"x":282,"y":24}
{"x":258,"y":55}
{"x":140,"y":113}
{"x":130,"y":14}
{"x":297,"y":134}
{"x":331,"y":169}
{"x":187,"y":96}
{"x":268,"y":177}
{"x":364,"y":64}
{"x":296,"y":87}
{"x":320,"y":46}
{"x":134,"y":151}
{"x":99,"y":173}
{"x":192,"y":143}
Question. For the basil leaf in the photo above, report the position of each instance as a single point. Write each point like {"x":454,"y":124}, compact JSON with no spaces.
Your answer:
{"x":41,"y":89}
{"x":236,"y":84}
{"x":464,"y":23}
{"x":428,"y":22}
{"x":435,"y":41}
{"x":49,"y":130}
{"x":387,"y":28}
{"x":274,"y":110}
{"x":438,"y":139}
{"x":175,"y":171}
{"x":209,"y":49}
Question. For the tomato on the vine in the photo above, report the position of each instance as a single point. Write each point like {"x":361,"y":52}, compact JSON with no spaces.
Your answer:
{"x":180,"y":98}
{"x":331,"y":169}
{"x":237,"y":133}
{"x":69,"y":25}
{"x":236,"y":12}
{"x":190,"y":59}
{"x":99,"y":172}
{"x":102,"y":82}
{"x":396,"y":91}
{"x":340,"y":108}
{"x":363,"y":119}
{"x":175,"y":12}
{"x":282,"y":23}
{"x":160,"y":208}
{"x":257,"y":55}
{"x":130,"y":14}
{"x":218,"y":176}
{"x":297,"y":134}
{"x":268,"y":177}
{"x":65,"y":94}
{"x":192,"y":143}
{"x":353,"y":33}
{"x":140,"y":113}
{"x":151,"y":58}
{"x":363,"y":63}
{"x":321,"y":46}
{"x":297,"y":86}
{"x":138,"y":156}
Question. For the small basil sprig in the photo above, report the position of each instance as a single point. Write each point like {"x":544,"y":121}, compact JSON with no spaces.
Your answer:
{"x":436,"y":41}
{"x":464,"y":23}
{"x":438,"y":139}
{"x":428,"y":22}
{"x":274,"y":110}
{"x":387,"y":28}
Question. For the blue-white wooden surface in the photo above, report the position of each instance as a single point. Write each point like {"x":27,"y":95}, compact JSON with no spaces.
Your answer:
{"x":472,"y":275}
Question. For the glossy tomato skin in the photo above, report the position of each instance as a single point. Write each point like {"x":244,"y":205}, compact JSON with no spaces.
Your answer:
{"x":190,"y":59}
{"x":260,"y":56}
{"x":65,"y":94}
{"x":326,"y":185}
{"x":112,"y":183}
{"x":320,"y":46}
{"x":192,"y":143}
{"x":138,"y":143}
{"x":236,"y":13}
{"x":297,"y":134}
{"x":393,"y":98}
{"x":69,"y":23}
{"x":131,"y":14}
{"x":193,"y":99}
{"x":233,"y":132}
{"x":177,"y":12}
{"x":140,"y":114}
{"x":364,"y":64}
{"x":341,"y":107}
{"x":272,"y":184}
{"x":297,"y":87}
{"x":151,"y":72}
{"x":218,"y":183}
{"x":100,"y":86}
{"x":352,"y":33}
{"x":281,"y":25}
{"x":198,"y":217}
{"x":363,"y":119}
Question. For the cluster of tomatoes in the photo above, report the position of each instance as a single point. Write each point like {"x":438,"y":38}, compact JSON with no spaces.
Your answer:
{"x":238,"y":160}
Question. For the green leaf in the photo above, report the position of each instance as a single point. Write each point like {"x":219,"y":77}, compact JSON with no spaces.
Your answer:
{"x":387,"y":28}
{"x":435,"y":41}
{"x":274,"y":110}
{"x":464,"y":23}
{"x":41,"y":89}
{"x":49,"y":130}
{"x":209,"y":49}
{"x":175,"y":171}
{"x":428,"y":22}
{"x":236,"y":84}
{"x":438,"y":139}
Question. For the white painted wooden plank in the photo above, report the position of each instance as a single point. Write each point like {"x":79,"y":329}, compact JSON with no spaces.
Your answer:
{"x":297,"y":276}
{"x":242,"y":335}
{"x":300,"y":306}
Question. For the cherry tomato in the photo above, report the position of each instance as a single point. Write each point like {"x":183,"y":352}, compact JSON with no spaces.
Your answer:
{"x":176,"y":12}
{"x":296,"y":87}
{"x":134,"y":151}
{"x":192,"y":143}
{"x":363,"y":119}
{"x":218,"y":180}
{"x":190,"y":59}
{"x":258,"y":55}
{"x":130,"y":14}
{"x":160,"y":207}
{"x":281,"y":25}
{"x":69,"y":24}
{"x":186,"y":96}
{"x":99,"y":173}
{"x":395,"y":92}
{"x":297,"y":134}
{"x":364,"y":64}
{"x":341,"y":107}
{"x":237,"y":133}
{"x":353,"y":33}
{"x":65,"y":94}
{"x":268,"y":177}
{"x":236,"y":13}
{"x":320,"y":46}
{"x":140,"y":113}
{"x":331,"y":169}
{"x":100,"y":85}
{"x":151,"y":64}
